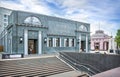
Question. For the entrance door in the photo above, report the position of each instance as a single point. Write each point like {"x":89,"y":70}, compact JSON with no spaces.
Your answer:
{"x":83,"y":46}
{"x":97,"y":46}
{"x":32,"y":46}
{"x":107,"y":44}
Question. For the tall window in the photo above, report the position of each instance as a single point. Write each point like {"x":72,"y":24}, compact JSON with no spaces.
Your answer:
{"x":66,"y":42}
{"x":50,"y":42}
{"x":72,"y":42}
{"x":57,"y":42}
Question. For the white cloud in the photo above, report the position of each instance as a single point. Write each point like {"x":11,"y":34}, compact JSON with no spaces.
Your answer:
{"x":74,"y":3}
{"x":77,"y":17}
{"x":12,"y":5}
{"x":28,"y":5}
{"x":106,"y":26}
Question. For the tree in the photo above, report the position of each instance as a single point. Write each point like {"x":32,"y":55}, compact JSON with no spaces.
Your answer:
{"x":117,"y":38}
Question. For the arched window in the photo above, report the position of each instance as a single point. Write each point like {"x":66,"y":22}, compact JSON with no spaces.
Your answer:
{"x":32,"y":20}
{"x":82,"y":28}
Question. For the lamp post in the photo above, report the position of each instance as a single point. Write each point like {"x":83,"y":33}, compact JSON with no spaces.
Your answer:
{"x":21,"y":40}
{"x":45,"y":40}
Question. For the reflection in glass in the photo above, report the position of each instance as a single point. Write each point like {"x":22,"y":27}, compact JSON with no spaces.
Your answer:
{"x":82,"y":28}
{"x":32,"y":20}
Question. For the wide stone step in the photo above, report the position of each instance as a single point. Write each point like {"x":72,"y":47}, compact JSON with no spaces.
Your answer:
{"x":33,"y":67}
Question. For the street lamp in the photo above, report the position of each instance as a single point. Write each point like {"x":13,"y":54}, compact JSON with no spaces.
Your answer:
{"x":20,"y":40}
{"x":45,"y":40}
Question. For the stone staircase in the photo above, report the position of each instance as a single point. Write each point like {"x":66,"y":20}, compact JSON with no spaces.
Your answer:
{"x":41,"y":67}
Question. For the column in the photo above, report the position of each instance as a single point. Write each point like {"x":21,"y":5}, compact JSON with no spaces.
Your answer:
{"x":86,"y":43}
{"x":6,"y":43}
{"x":65,"y":42}
{"x":60,"y":43}
{"x":110,"y":43}
{"x":101,"y":45}
{"x":70,"y":42}
{"x":40,"y":42}
{"x":11,"y":43}
{"x":54,"y":42}
{"x":114,"y":47}
{"x":74,"y":42}
{"x":25,"y":42}
{"x":80,"y":43}
{"x":47,"y":42}
{"x":105,"y":45}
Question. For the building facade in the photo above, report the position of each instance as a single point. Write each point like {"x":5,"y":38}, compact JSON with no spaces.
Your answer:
{"x":4,"y":14}
{"x":31,"y":33}
{"x":101,"y":41}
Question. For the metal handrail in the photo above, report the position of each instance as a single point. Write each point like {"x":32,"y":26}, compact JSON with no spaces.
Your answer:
{"x":86,"y":68}
{"x":85,"y":64}
{"x":81,"y":64}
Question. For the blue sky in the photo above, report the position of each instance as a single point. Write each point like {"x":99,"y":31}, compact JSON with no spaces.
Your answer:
{"x":105,"y":13}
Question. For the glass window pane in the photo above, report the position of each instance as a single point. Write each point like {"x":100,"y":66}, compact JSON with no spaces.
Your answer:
{"x":50,"y":42}
{"x":58,"y":42}
{"x":82,"y":28}
{"x":32,"y":20}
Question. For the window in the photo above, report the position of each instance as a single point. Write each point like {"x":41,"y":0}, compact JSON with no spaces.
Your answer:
{"x":32,"y":20}
{"x":57,"y":42}
{"x":72,"y":42}
{"x":82,"y":28}
{"x":5,"y":16}
{"x":50,"y":42}
{"x":66,"y":42}
{"x":5,"y":24}
{"x":5,"y":20}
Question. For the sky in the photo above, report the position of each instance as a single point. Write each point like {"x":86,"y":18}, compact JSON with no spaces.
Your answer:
{"x":101,"y":14}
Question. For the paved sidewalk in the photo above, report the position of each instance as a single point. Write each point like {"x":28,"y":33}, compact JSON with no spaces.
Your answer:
{"x":33,"y":56}
{"x":69,"y":74}
{"x":110,"y":73}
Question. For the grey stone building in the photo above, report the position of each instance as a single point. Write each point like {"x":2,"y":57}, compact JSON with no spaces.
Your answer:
{"x":31,"y":33}
{"x":4,"y":13}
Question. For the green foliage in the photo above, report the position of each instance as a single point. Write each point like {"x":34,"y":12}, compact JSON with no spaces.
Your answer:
{"x":117,"y":38}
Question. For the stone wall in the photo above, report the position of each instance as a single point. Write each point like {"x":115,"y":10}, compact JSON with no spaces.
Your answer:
{"x":101,"y":62}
